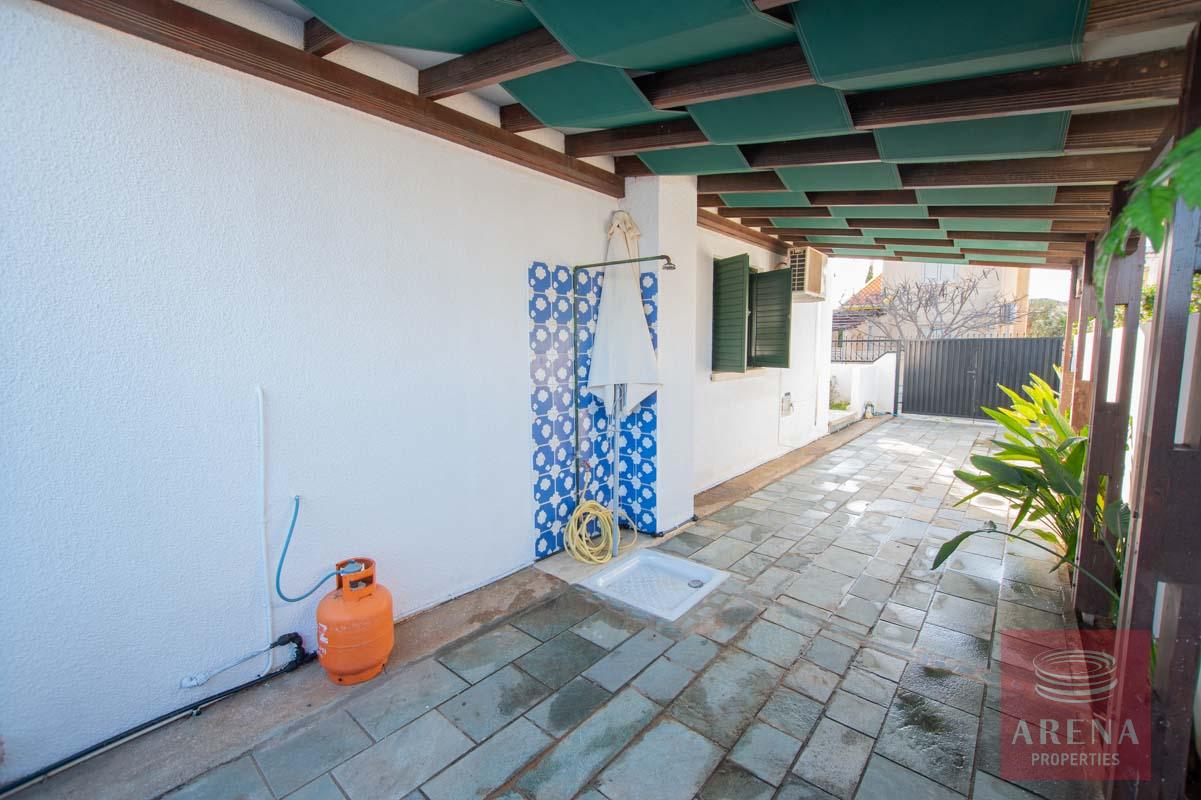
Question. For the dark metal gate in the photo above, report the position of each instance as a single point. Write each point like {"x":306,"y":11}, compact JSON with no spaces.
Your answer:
{"x":955,"y":377}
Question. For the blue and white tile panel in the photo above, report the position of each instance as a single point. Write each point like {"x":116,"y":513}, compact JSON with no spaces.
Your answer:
{"x":553,"y":408}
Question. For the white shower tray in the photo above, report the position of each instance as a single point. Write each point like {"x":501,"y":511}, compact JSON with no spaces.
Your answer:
{"x":656,"y":583}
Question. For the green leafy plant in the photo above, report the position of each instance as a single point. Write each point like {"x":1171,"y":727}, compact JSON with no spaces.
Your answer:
{"x":1038,"y":468}
{"x":1151,"y":204}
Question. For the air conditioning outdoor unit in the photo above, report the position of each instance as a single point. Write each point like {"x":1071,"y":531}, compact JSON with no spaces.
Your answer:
{"x":807,"y":268}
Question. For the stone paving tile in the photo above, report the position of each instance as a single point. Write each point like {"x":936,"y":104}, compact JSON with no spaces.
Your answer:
{"x":960,"y":647}
{"x":709,"y":528}
{"x":771,"y":582}
{"x":871,"y":588}
{"x":957,"y":614}
{"x":721,"y":553}
{"x":323,"y":788}
{"x":750,"y":532}
{"x":732,"y":782}
{"x":772,"y":642}
{"x":663,"y":680}
{"x":1034,"y":572}
{"x":883,"y":570}
{"x":846,"y":562}
{"x":855,"y":712}
{"x":562,"y":658}
{"x":795,"y":788}
{"x":976,"y":565}
{"x":404,"y":696}
{"x":988,"y":787}
{"x":820,"y":587}
{"x":944,"y":686}
{"x":494,"y":702}
{"x":607,"y":628}
{"x":765,"y":752}
{"x":775,"y":547}
{"x":1050,"y":600}
{"x":969,"y":587}
{"x":791,"y":712}
{"x":894,"y":635}
{"x":694,"y":652}
{"x":684,"y":543}
{"x":1014,"y":616}
{"x":834,"y":758}
{"x":869,"y":686}
{"x":733,"y":514}
{"x":478,"y":658}
{"x":794,"y":561}
{"x":882,"y":664}
{"x":810,"y":679}
{"x":491,"y":764}
{"x":898,"y":614}
{"x":631,"y":657}
{"x":914,"y":594}
{"x":830,"y":654}
{"x":856,"y":609}
{"x":727,"y":695}
{"x":774,"y":520}
{"x":291,"y":761}
{"x":884,"y":780}
{"x":794,"y":619}
{"x":563,"y":771}
{"x":930,"y":738}
{"x":404,"y":760}
{"x":734,"y":615}
{"x":238,"y":779}
{"x":670,"y":762}
{"x":752,"y":564}
{"x":567,"y":707}
{"x":552,"y":618}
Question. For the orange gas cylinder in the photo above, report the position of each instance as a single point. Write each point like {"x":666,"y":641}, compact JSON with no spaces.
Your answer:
{"x":354,"y":625}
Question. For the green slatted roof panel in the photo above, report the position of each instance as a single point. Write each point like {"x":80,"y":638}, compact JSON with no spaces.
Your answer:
{"x":705,"y":160}
{"x":903,"y":233}
{"x":665,"y":34}
{"x":840,"y":177}
{"x":1025,"y":136}
{"x":585,"y":96}
{"x":1000,"y":244}
{"x":802,"y":113}
{"x":988,"y":196}
{"x":884,"y":212}
{"x":934,"y":259}
{"x":809,"y":222}
{"x":764,"y":199}
{"x":1011,"y":225}
{"x":927,"y":248}
{"x":448,"y":26}
{"x":872,"y":44}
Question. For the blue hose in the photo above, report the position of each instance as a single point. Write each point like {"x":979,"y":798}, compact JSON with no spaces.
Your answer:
{"x":279,"y":568}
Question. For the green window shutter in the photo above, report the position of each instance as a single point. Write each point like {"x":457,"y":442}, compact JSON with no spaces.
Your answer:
{"x":771,"y":318}
{"x":731,"y":290}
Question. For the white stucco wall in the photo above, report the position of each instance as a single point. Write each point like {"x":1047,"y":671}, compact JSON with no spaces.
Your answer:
{"x":176,"y":234}
{"x":738,"y":423}
{"x":872,"y":383}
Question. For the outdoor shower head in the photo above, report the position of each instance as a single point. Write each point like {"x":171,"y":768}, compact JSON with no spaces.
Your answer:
{"x":668,"y":263}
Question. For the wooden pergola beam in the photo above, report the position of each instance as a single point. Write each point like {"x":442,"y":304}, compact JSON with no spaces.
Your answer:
{"x":867,"y":197}
{"x":748,"y":73}
{"x":633,"y":167}
{"x":1084,"y":195}
{"x":187,"y":30}
{"x":1113,"y":16}
{"x":916,"y":224}
{"x":1144,"y":79}
{"x":681,"y":132}
{"x":522,"y":55}
{"x":1021,"y":212}
{"x":740,"y":182}
{"x":932,"y":255}
{"x":1017,"y":236}
{"x":856,"y":148}
{"x":709,"y":200}
{"x":1056,"y":170}
{"x":320,"y":39}
{"x":717,"y":224}
{"x":813,"y":231}
{"x":1048,"y":254}
{"x":775,"y":211}
{"x":516,"y":118}
{"x":888,"y":240}
{"x":1136,"y":129}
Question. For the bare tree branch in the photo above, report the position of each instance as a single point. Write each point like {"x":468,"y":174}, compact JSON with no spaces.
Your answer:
{"x":930,"y":309}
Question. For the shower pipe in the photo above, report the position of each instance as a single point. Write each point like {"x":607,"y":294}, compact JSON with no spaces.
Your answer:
{"x":668,"y":264}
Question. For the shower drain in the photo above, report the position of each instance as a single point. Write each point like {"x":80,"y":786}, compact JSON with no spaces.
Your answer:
{"x":696,"y":583}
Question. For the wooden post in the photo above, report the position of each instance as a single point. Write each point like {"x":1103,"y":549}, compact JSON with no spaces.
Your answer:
{"x":1165,"y":538}
{"x":1082,"y":387}
{"x":1108,"y":428}
{"x":1067,"y":368}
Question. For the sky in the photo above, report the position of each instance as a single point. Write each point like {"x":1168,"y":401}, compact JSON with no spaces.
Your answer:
{"x":845,"y":275}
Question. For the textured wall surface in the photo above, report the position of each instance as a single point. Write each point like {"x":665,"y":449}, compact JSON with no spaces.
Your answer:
{"x":175,"y":235}
{"x":738,"y":422}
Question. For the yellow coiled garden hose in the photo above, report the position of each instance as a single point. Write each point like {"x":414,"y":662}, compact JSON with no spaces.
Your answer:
{"x":578,"y":540}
